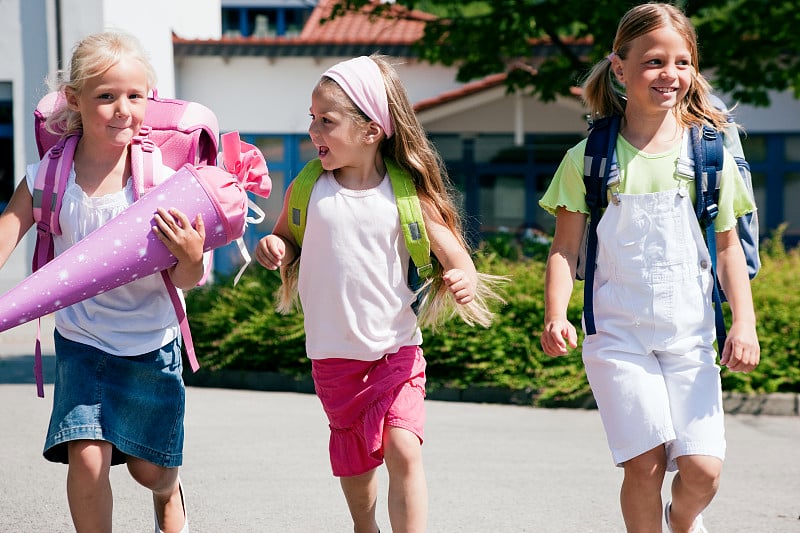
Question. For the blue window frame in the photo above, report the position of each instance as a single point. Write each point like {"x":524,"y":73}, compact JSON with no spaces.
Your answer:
{"x":260,"y":19}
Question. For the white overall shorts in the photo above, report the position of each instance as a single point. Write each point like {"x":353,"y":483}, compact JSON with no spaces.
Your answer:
{"x":651,"y":364}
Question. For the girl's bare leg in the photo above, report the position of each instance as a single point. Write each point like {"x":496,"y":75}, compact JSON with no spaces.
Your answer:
{"x":408,"y":490}
{"x":88,"y":485}
{"x":167,"y":498}
{"x":640,"y":496}
{"x":693,"y":488}
{"x":361,"y":493}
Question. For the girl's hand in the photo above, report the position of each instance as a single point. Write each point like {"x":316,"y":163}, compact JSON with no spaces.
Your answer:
{"x":559,"y":337}
{"x":742,"y":351}
{"x":184,"y":240}
{"x":271,"y":251}
{"x":460,"y":285}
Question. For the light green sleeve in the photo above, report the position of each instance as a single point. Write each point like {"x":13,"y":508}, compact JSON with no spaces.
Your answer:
{"x":734,"y":198}
{"x":567,"y":189}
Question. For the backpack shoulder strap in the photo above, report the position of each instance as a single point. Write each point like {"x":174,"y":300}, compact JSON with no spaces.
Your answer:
{"x":408,"y":207}
{"x":298,"y":199}
{"x":48,"y":190}
{"x":599,"y":160}
{"x":599,"y":168}
{"x":411,"y":221}
{"x":49,"y":185}
{"x":708,"y":161}
{"x":707,"y":147}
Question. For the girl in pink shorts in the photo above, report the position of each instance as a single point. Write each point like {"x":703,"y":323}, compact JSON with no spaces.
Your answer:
{"x":362,"y":331}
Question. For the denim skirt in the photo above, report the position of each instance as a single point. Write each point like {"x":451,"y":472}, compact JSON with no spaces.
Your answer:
{"x":135,"y":403}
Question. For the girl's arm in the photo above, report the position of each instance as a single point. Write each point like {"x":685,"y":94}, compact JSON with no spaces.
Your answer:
{"x":278,"y":248}
{"x":15,"y":221}
{"x":460,"y":274}
{"x":741,"y":352}
{"x":559,"y":334}
{"x":185,"y":241}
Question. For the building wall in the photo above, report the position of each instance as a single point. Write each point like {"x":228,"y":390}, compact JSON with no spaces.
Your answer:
{"x":269,"y":97}
{"x":272,"y":95}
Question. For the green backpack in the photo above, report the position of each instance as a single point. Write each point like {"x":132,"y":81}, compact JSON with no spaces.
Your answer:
{"x":408,"y":206}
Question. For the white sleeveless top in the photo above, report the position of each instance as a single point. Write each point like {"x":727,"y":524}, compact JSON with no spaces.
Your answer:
{"x":353,"y":274}
{"x":131,"y":320}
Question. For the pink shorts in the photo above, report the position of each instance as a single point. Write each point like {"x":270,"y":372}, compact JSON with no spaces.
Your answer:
{"x":362,"y":397}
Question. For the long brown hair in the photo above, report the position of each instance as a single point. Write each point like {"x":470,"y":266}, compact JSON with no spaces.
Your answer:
{"x":411,"y":149}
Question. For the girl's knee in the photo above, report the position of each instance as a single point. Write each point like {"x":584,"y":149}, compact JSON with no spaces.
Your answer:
{"x":154,"y":477}
{"x":401,"y":449}
{"x":89,"y":455}
{"x":700,"y":472}
{"x":651,"y":465}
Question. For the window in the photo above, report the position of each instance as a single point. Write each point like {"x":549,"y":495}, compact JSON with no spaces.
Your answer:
{"x":261,"y":21}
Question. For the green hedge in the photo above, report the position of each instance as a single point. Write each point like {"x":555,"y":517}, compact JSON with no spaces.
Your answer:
{"x":236,"y":328}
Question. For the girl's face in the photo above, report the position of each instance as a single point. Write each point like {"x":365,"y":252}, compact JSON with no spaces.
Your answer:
{"x":657,"y":71}
{"x":339,"y":139}
{"x":112,"y":105}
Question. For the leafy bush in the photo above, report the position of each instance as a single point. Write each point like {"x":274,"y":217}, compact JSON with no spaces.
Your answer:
{"x":236,"y":328}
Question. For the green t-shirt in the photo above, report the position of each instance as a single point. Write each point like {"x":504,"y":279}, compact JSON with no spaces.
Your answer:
{"x":642,"y":173}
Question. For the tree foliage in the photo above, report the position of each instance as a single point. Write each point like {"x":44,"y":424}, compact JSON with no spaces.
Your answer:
{"x":747,"y":47}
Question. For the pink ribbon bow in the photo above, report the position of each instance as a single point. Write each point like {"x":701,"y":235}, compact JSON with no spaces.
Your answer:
{"x":247,"y":163}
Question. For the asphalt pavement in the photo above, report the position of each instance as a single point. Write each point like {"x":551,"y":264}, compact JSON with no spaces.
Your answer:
{"x":257,"y":461}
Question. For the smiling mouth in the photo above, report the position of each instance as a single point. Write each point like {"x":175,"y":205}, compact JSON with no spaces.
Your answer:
{"x":322,"y":151}
{"x":666,"y":90}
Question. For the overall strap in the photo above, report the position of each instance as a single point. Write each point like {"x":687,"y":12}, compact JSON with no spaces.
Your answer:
{"x":599,"y":167}
{"x":708,"y":161}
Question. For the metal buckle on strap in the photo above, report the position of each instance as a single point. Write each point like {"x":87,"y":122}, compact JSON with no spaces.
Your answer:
{"x":425,"y":271}
{"x":42,"y":228}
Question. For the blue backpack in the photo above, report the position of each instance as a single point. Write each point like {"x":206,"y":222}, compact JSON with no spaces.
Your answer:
{"x":600,"y":169}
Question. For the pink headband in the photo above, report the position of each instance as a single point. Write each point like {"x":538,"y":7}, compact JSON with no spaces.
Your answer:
{"x":361,"y":79}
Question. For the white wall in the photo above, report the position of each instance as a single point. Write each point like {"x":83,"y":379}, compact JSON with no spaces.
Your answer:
{"x":783,"y":115}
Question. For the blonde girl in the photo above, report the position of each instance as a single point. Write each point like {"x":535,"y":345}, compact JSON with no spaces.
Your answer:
{"x":361,"y":332}
{"x":652,"y":364}
{"x":119,"y":396}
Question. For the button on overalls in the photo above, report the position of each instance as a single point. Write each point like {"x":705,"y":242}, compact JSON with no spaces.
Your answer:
{"x":652,"y":364}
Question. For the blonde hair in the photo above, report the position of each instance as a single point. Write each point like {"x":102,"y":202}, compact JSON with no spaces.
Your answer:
{"x":604,"y":97}
{"x":411,"y":149}
{"x":91,"y":57}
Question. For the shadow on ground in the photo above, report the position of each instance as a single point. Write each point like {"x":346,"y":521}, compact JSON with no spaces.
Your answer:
{"x":19,"y":369}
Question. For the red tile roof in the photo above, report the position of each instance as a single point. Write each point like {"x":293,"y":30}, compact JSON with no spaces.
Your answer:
{"x":400,"y":27}
{"x":465,"y":90}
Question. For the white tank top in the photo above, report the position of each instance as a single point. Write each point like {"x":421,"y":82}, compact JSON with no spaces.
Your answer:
{"x":353,"y":274}
{"x":134,"y":319}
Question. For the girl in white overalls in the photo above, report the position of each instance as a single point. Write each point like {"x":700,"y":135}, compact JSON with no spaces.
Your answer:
{"x":652,"y":364}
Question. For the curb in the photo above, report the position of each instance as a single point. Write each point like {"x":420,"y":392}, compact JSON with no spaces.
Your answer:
{"x":773,"y":404}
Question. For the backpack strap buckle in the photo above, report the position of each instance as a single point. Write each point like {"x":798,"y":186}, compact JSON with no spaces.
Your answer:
{"x":425,"y":271}
{"x":146,"y":144}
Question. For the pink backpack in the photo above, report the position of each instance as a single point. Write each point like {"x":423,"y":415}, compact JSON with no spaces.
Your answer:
{"x":176,"y":132}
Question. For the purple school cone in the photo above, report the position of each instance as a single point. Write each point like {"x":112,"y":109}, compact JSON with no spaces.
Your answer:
{"x":126,"y":248}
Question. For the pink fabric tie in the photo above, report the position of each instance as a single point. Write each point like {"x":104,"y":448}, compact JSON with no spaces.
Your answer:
{"x":362,"y":80}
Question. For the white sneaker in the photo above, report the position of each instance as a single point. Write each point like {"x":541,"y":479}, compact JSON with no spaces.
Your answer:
{"x":697,"y":525}
{"x":185,"y":518}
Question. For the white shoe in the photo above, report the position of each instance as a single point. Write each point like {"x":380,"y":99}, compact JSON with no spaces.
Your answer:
{"x":697,"y":525}
{"x":185,"y":518}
